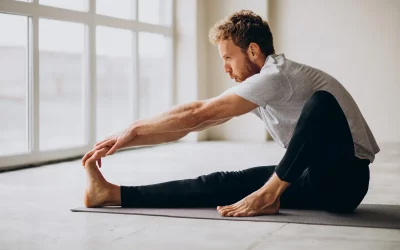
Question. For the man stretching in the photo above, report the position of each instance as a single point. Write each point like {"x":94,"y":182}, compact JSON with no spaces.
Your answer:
{"x":307,"y":111}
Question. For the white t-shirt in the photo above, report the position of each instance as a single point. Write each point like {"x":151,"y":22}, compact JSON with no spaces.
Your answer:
{"x":283,"y":87}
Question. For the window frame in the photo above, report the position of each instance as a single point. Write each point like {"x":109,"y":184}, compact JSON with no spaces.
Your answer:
{"x":90,"y":19}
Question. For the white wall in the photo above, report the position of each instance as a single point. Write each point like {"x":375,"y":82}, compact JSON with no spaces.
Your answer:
{"x":357,"y":41}
{"x":247,"y":127}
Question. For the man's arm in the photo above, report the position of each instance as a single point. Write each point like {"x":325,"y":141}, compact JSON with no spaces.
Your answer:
{"x":188,"y":116}
{"x":185,"y":117}
{"x":210,"y":123}
{"x":158,"y":138}
{"x":154,"y":138}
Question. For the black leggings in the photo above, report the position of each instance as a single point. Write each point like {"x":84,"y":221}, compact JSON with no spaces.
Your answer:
{"x":320,"y":164}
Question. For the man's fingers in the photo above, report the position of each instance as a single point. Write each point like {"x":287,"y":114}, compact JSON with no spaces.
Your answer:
{"x":87,"y":156}
{"x":101,"y":152}
{"x":105,"y":139}
{"x":100,"y":142}
{"x":84,"y":158}
{"x":114,"y":148}
{"x":95,"y":155}
{"x":105,"y":144}
{"x":111,"y":151}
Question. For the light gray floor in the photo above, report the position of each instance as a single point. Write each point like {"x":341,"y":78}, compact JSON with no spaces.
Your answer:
{"x":35,"y":203}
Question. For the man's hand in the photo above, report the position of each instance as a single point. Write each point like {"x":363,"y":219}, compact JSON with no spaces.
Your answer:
{"x":95,"y":155}
{"x":110,"y":144}
{"x":116,"y":141}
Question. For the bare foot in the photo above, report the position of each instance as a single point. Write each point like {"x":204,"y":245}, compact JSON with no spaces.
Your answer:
{"x":264,"y":201}
{"x":257,"y":203}
{"x":98,"y":191}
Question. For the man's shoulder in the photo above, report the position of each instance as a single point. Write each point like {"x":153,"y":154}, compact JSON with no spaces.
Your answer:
{"x":268,"y":76}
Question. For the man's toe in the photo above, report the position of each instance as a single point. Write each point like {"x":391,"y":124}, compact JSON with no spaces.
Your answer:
{"x":232,"y":212}
{"x":225,"y":209}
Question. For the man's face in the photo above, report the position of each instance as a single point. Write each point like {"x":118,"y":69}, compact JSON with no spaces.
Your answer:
{"x":236,"y":62}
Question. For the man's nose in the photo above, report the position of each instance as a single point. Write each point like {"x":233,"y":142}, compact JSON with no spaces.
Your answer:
{"x":227,"y":68}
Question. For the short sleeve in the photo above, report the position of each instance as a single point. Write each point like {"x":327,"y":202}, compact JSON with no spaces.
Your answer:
{"x":228,"y":91}
{"x":254,"y":111}
{"x":263,"y":88}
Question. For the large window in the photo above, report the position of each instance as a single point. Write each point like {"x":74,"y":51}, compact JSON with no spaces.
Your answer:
{"x":61,"y":46}
{"x":154,"y":66}
{"x":13,"y":84}
{"x":75,"y":71}
{"x":115,"y":95}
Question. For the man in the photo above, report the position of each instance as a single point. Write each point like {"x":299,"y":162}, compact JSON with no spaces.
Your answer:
{"x":329,"y":144}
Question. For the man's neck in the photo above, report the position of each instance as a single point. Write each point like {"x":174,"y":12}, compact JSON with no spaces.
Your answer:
{"x":260,"y":62}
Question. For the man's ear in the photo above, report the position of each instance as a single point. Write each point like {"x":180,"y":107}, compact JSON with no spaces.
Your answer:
{"x":253,"y":51}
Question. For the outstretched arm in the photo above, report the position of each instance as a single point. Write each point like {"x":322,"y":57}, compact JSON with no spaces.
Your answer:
{"x":158,"y":138}
{"x":188,"y":116}
{"x":155,"y":138}
{"x":185,"y":117}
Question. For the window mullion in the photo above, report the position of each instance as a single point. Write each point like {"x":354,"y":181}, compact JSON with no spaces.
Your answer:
{"x":91,"y":94}
{"x":34,"y":87}
{"x":172,"y":54}
{"x":136,"y":71}
{"x":29,"y":89}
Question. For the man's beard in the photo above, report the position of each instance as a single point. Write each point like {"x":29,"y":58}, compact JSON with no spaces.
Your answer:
{"x":249,"y":69}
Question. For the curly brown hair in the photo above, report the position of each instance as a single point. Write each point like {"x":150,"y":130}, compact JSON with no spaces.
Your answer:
{"x":244,"y":27}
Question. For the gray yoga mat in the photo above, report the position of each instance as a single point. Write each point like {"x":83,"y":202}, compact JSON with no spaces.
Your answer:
{"x":366,"y":215}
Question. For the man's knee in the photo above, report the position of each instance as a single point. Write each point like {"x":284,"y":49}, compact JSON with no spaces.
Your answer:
{"x":323,"y":97}
{"x":321,"y":100}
